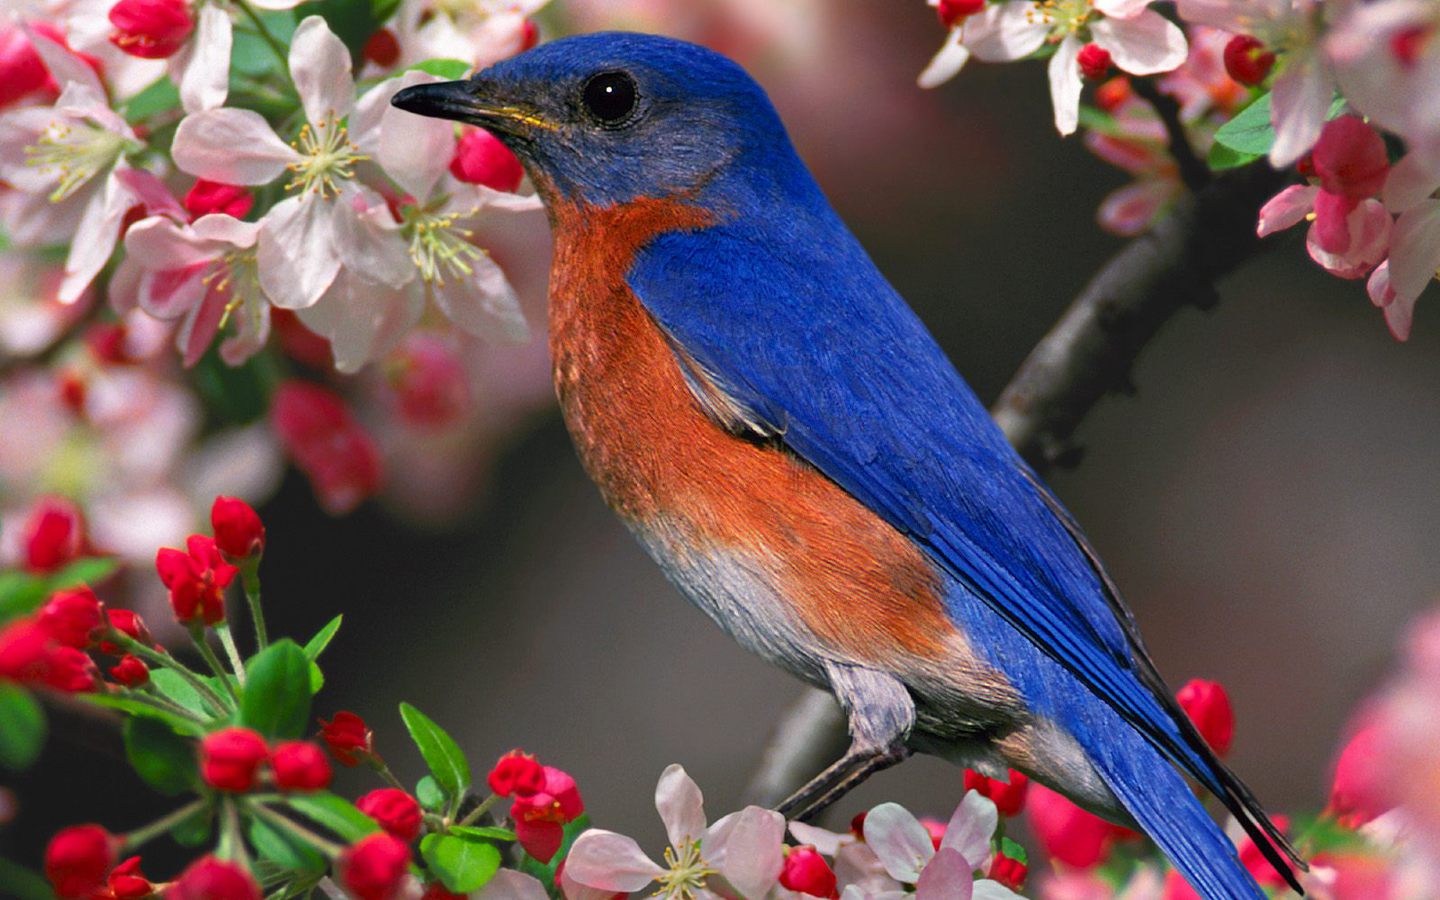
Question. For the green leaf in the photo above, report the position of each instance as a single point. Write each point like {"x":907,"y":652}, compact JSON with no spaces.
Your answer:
{"x":194,"y":830}
{"x":163,"y":759}
{"x":322,"y":638}
{"x":90,"y":570}
{"x":162,"y":96}
{"x":21,"y":594}
{"x":1092,"y":118}
{"x":1222,"y":157}
{"x":23,"y":884}
{"x":145,"y":710}
{"x":236,"y":394}
{"x":335,"y":813}
{"x":286,"y":851}
{"x":449,"y":69}
{"x":174,"y":687}
{"x":250,"y":55}
{"x":441,"y":753}
{"x":1250,"y":131}
{"x":1014,"y":851}
{"x":382,"y":10}
{"x":429,"y":794}
{"x":277,"y":695}
{"x":353,"y":23}
{"x":22,"y":727}
{"x":462,"y":866}
{"x":482,"y":832}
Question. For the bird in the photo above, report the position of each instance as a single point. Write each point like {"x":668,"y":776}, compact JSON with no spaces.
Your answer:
{"x":793,"y":448}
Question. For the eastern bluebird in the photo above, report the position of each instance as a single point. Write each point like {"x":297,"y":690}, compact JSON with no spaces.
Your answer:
{"x":790,"y":444}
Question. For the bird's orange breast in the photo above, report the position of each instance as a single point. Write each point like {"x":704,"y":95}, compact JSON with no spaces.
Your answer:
{"x":852,"y":581}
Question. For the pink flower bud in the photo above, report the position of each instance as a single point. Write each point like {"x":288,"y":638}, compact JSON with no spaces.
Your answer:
{"x":127,"y":882}
{"x":1407,"y":44}
{"x":541,"y":817}
{"x":29,"y":655}
{"x":211,"y":879}
{"x":130,"y":671}
{"x":1358,"y":792}
{"x":316,"y":429}
{"x":230,"y":759}
{"x":300,"y":766}
{"x":1208,"y":706}
{"x":430,"y":386}
{"x":238,"y":530}
{"x":207,"y":197}
{"x":1247,"y":61}
{"x":374,"y":868}
{"x":807,"y":872}
{"x":129,"y":623}
{"x":1350,"y":158}
{"x":952,"y":12}
{"x":78,"y":858}
{"x":1094,"y":61}
{"x":53,"y":535}
{"x":397,"y":812}
{"x":480,"y":158}
{"x":71,"y":617}
{"x":1111,"y":94}
{"x":151,"y":29}
{"x":1009,"y":798}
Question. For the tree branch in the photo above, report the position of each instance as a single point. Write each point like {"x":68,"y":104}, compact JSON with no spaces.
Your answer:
{"x":1088,"y":354}
{"x":1193,"y":171}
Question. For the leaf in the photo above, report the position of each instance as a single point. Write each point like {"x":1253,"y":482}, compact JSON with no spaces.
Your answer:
{"x":482,"y":832}
{"x":145,"y":710}
{"x":1014,"y":851}
{"x":23,"y":884}
{"x":91,"y":570}
{"x":441,"y":753}
{"x":382,"y":10}
{"x":1250,"y":131}
{"x":174,"y":687}
{"x":429,"y":794}
{"x":449,"y":69}
{"x":1222,"y":157}
{"x":22,"y":727}
{"x":317,"y":644}
{"x":277,"y":695}
{"x":353,"y":23}
{"x":163,"y":759}
{"x":283,"y":849}
{"x":236,"y":394}
{"x":194,"y":830}
{"x":335,"y":813}
{"x":462,"y":866}
{"x":21,"y":594}
{"x":161,"y":96}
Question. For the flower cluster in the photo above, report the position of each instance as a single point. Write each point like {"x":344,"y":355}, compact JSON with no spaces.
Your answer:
{"x":1340,"y":91}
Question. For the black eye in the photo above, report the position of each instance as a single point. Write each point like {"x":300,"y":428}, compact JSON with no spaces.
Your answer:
{"x":610,"y":97}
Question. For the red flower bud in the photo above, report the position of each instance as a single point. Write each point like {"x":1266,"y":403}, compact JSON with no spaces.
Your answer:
{"x":952,"y":12}
{"x":211,"y":879}
{"x":300,"y":766}
{"x":53,"y":535}
{"x":151,"y":29}
{"x":1067,"y":832}
{"x":108,"y":343}
{"x":1009,"y":872}
{"x":1359,"y":792}
{"x":807,"y":872}
{"x":541,"y":817}
{"x":129,"y":623}
{"x":1208,"y":706}
{"x":480,"y":158}
{"x":130,"y":671}
{"x":30,"y":655}
{"x":382,"y":48}
{"x":1247,"y":61}
{"x":430,"y":385}
{"x":238,"y":530}
{"x":517,"y":773}
{"x":529,"y":35}
{"x":197,"y":578}
{"x":857,"y":825}
{"x":71,"y":617}
{"x":1111,"y":94}
{"x":78,"y":858}
{"x":208,"y":197}
{"x":315,"y":427}
{"x":1350,"y":159}
{"x":1094,"y":61}
{"x":1009,"y":798}
{"x":397,"y":812}
{"x":348,"y":737}
{"x":127,"y":882}
{"x":374,"y":868}
{"x":230,"y":759}
{"x":22,"y":72}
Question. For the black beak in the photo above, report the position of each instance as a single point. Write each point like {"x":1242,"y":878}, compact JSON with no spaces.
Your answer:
{"x":472,"y":101}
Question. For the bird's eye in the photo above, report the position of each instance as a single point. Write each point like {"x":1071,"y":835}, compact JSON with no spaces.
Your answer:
{"x":610,"y":98}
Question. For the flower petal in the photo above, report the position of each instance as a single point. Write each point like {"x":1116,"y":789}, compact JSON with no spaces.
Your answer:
{"x":985,"y":889}
{"x":899,"y":840}
{"x":746,"y":848}
{"x":1122,"y":9}
{"x":1299,"y":102}
{"x":1287,"y":208}
{"x":204,"y":65}
{"x":971,"y":828}
{"x":485,"y":305}
{"x":1413,"y":179}
{"x":824,"y":841}
{"x":252,"y":330}
{"x":1415,"y":249}
{"x":1365,"y":233}
{"x":1129,"y":210}
{"x":609,"y":861}
{"x":232,"y":146}
{"x":1143,"y":45}
{"x":948,"y":62}
{"x":95,"y":238}
{"x":64,"y":65}
{"x":1064,"y":71}
{"x":369,"y":241}
{"x":320,"y":68}
{"x":679,"y":802}
{"x":296,"y":251}
{"x":1005,"y":31}
{"x":508,"y":884}
{"x":361,"y":319}
{"x":160,"y":243}
{"x":200,"y":327}
{"x":226,"y":229}
{"x":414,"y":152}
{"x":946,"y":877}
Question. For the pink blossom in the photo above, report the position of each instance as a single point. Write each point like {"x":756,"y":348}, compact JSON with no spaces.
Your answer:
{"x":1346,"y":242}
{"x":481,"y":32}
{"x":909,"y":855}
{"x":1387,"y":61}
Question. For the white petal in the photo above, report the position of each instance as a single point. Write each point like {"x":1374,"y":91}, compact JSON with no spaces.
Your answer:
{"x":1005,"y":31}
{"x":228,"y":229}
{"x":899,"y":840}
{"x":274,"y":5}
{"x":508,"y":884}
{"x":609,"y":861}
{"x":204,"y":77}
{"x":64,"y":65}
{"x":1286,"y":209}
{"x":680,"y":803}
{"x":296,"y":252}
{"x":948,"y":62}
{"x":824,"y":841}
{"x":1122,"y":9}
{"x":320,"y":68}
{"x":1143,"y":45}
{"x":95,"y":238}
{"x":362,"y":320}
{"x":985,"y":889}
{"x":415,"y":152}
{"x":971,"y":827}
{"x":233,"y":146}
{"x":1415,"y":249}
{"x":369,"y":242}
{"x":485,"y":305}
{"x":1298,"y":105}
{"x":160,"y":243}
{"x":487,"y":198}
{"x":745,"y":847}
{"x":1064,"y":72}
{"x":1414,"y":178}
{"x":946,"y":877}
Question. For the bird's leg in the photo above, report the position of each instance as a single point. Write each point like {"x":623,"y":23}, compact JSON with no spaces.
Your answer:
{"x":881,"y":715}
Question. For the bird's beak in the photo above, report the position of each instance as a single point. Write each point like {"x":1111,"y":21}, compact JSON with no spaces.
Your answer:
{"x":470,"y":101}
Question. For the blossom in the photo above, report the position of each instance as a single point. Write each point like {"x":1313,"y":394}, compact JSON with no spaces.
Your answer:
{"x":905,"y":849}
{"x":130,"y":671}
{"x":1138,"y":40}
{"x":22,"y":72}
{"x":740,"y":853}
{"x":53,"y":534}
{"x":1387,"y":63}
{"x":807,"y":872}
{"x":1347,"y":239}
{"x":196,"y":578}
{"x":209,"y":878}
{"x":230,"y":759}
{"x":1208,"y":706}
{"x":128,"y":623}
{"x":71,"y":617}
{"x":151,"y":29}
{"x":396,"y":812}
{"x":238,"y":530}
{"x":1008,"y":795}
{"x":347,"y":737}
{"x":480,"y":32}
{"x":300,"y":766}
{"x":540,"y":817}
{"x":78,"y":859}
{"x":316,"y":428}
{"x":1010,"y":873}
{"x":374,"y":867}
{"x":127,"y":882}
{"x":1067,"y":832}
{"x":427,"y":380}
{"x":516,"y":773}
{"x":30,"y":655}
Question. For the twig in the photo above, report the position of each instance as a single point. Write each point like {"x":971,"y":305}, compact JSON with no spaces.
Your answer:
{"x":1087,"y":355}
{"x":1193,"y":171}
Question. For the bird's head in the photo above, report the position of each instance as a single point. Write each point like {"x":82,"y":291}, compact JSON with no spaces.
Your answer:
{"x":606,"y":118}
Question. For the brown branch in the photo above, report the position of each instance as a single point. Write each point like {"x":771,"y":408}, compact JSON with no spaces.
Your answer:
{"x":1088,"y":354}
{"x":1193,"y":171}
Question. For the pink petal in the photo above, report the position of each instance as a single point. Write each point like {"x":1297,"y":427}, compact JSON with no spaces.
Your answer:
{"x":483,"y":304}
{"x":1242,"y":16}
{"x":233,"y":146}
{"x":899,"y":840}
{"x":609,"y":861}
{"x":1415,"y":249}
{"x":1367,"y":235}
{"x":1143,"y":45}
{"x":680,"y":804}
{"x":1332,"y":221}
{"x":370,"y":243}
{"x":1286,"y":209}
{"x":947,"y":62}
{"x":200,"y":327}
{"x":296,"y":251}
{"x":947,"y":877}
{"x":159,"y":243}
{"x":1413,"y":179}
{"x":1399,"y":312}
{"x":172,"y":293}
{"x":151,"y":192}
{"x":252,"y":330}
{"x":320,"y":68}
{"x":1065,"y":84}
{"x":204,"y":64}
{"x":95,"y":238}
{"x":362,"y":320}
{"x":508,"y":884}
{"x":1129,"y":210}
{"x":1005,"y":31}
{"x":970,"y":829}
{"x":746,"y":848}
{"x":1299,"y":104}
{"x":64,"y":64}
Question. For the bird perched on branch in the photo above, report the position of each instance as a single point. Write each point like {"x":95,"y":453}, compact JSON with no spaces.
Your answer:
{"x":790,"y":444}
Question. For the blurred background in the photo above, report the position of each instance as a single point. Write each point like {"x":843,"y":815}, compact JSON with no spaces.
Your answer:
{"x":1267,"y":501}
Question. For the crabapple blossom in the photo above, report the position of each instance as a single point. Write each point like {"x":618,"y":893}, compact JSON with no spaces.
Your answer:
{"x":207,"y":197}
{"x":230,"y":759}
{"x":540,"y":817}
{"x":1208,"y":706}
{"x":22,"y":73}
{"x":78,"y":859}
{"x":71,"y":617}
{"x":347,"y":737}
{"x":374,"y":868}
{"x":239,"y":533}
{"x":209,"y":878}
{"x":30,"y":655}
{"x":479,"y":32}
{"x":196,"y":578}
{"x":130,"y":671}
{"x":909,"y":855}
{"x":1387,"y":63}
{"x":53,"y":534}
{"x":396,"y":812}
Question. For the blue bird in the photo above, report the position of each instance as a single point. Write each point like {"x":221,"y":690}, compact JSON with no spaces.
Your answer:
{"x":789,"y":443}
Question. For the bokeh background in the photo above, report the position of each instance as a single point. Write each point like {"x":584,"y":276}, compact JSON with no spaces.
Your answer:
{"x":1267,"y":501}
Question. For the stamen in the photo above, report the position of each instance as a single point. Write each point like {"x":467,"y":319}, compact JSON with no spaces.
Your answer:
{"x":328,"y":157}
